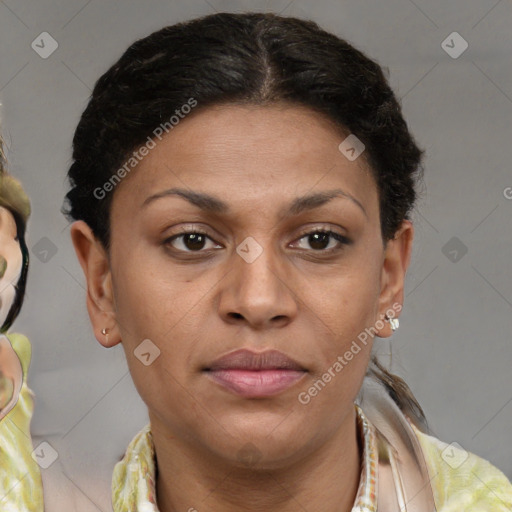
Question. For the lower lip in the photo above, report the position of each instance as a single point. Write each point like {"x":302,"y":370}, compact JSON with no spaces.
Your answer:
{"x":256,"y":383}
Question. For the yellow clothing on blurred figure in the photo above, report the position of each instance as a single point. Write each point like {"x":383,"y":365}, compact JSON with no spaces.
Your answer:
{"x":20,"y":479}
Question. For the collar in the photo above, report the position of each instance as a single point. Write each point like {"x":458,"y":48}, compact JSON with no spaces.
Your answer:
{"x":133,"y":480}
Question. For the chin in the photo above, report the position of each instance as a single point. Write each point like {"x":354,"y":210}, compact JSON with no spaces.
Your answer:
{"x":268,"y":439}
{"x":266,"y":454}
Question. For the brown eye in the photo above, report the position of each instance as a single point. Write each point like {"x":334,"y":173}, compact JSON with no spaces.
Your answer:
{"x":194,"y":241}
{"x":190,"y":241}
{"x":319,"y":240}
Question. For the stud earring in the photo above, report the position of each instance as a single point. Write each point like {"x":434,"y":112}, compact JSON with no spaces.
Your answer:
{"x":394,"y":322}
{"x":105,"y":333}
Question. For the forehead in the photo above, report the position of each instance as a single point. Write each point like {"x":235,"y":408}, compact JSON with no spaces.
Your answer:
{"x":260,"y":152}
{"x":283,"y":131}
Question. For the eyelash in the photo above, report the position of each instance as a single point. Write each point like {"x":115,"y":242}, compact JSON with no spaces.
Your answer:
{"x":343,"y":240}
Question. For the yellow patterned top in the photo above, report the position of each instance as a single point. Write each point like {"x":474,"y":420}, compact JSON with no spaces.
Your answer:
{"x":461,"y":481}
{"x":20,"y":479}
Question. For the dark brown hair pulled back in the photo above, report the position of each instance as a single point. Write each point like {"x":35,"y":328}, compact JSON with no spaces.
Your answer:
{"x":256,"y":58}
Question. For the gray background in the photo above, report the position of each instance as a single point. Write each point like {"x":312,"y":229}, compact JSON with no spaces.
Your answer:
{"x":454,"y":343}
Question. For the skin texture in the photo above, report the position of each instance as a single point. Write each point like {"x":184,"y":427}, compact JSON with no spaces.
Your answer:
{"x":295,"y":297}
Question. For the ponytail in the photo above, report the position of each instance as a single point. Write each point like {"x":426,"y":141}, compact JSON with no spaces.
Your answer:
{"x":401,"y":394}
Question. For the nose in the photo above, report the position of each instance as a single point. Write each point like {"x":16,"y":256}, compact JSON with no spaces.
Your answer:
{"x":258,"y":293}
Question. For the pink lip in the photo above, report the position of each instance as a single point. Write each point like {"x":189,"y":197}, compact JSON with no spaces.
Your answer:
{"x":255,"y":375}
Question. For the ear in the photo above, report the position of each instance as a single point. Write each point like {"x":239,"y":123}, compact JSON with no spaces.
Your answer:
{"x":96,"y":267}
{"x":397,"y":255}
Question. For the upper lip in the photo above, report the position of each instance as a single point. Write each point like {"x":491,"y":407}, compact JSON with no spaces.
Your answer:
{"x":244,"y":359}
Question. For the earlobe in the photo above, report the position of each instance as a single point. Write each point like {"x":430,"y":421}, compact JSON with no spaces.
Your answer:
{"x":397,"y":255}
{"x":100,"y":298}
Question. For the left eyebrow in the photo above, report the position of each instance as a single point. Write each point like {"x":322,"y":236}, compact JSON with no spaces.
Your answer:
{"x":212,"y":204}
{"x":310,"y":201}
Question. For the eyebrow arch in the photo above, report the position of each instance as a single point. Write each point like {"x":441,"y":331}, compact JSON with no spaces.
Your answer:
{"x":212,"y":204}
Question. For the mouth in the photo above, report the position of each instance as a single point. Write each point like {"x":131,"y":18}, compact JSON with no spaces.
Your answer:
{"x":255,"y":375}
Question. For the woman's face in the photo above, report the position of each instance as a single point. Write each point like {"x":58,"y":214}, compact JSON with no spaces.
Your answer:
{"x":255,"y":182}
{"x":11,"y":261}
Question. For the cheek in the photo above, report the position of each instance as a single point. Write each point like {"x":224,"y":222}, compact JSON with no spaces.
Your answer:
{"x":347,"y":308}
{"x":347,"y":301}
{"x":154,"y":302}
{"x":147,"y":299}
{"x":163,"y":390}
{"x":344,"y":348}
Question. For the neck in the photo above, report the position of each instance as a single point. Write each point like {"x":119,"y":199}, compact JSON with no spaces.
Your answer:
{"x":324,"y":481}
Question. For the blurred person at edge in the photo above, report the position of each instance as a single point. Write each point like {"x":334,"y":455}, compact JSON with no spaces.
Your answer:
{"x":241,"y":187}
{"x":20,"y":478}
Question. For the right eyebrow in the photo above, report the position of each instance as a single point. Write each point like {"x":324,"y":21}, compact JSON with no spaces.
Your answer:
{"x":203,"y":201}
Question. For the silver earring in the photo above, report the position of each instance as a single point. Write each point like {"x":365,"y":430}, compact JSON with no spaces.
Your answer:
{"x":394,"y":322}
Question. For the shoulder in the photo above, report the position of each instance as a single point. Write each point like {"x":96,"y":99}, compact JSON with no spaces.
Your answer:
{"x":462,"y":480}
